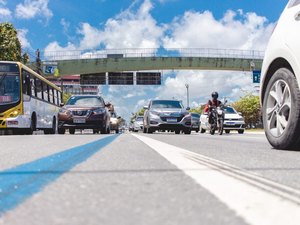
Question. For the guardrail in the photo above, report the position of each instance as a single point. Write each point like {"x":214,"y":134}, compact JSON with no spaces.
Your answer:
{"x":150,"y":52}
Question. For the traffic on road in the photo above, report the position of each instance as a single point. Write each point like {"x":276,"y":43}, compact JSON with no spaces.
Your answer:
{"x":73,"y":157}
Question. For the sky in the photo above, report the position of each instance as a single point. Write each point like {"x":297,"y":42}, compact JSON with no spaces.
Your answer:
{"x":64,"y":25}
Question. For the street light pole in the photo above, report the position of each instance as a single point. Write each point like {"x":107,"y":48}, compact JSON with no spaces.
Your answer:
{"x":187,"y":94}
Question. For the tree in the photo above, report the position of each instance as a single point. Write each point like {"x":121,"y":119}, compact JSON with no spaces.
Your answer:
{"x":249,"y":106}
{"x":10,"y":46}
{"x":66,"y":97}
{"x":198,"y":110}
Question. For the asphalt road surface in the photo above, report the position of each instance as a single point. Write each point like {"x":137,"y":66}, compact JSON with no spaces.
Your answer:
{"x":136,"y":178}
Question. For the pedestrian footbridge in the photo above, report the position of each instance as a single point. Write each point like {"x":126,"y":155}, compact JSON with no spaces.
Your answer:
{"x":117,"y":60}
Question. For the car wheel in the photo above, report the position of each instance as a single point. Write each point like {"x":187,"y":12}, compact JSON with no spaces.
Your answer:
{"x":187,"y":131}
{"x":240,"y":131}
{"x":72,"y":131}
{"x":227,"y":131}
{"x":281,"y":110}
{"x":149,"y":130}
{"x":61,"y":131}
{"x":177,"y":131}
{"x":144,"y":130}
{"x":202,"y":130}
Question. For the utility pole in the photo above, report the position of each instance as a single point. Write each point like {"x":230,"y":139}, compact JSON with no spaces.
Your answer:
{"x":187,"y":94}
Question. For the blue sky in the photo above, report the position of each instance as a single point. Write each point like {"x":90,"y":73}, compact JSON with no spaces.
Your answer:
{"x":53,"y":25}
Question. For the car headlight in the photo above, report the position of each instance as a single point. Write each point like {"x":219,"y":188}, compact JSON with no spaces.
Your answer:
{"x":99,"y":111}
{"x":64,"y":111}
{"x":114,"y":120}
{"x":241,"y":119}
{"x":153,"y":114}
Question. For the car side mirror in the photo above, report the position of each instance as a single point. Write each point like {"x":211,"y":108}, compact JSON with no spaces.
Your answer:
{"x":240,"y":113}
{"x":119,"y":117}
{"x":146,"y":107}
{"x":61,"y":104}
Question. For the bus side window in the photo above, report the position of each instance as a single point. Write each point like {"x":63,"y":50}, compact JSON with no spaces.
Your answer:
{"x":38,"y":88}
{"x":59,"y":97}
{"x":35,"y":87}
{"x":53,"y":97}
{"x":42,"y":90}
{"x":49,"y":94}
{"x":26,"y":83}
{"x":45,"y":92}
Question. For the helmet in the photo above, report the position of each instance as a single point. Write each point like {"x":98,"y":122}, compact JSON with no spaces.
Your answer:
{"x":215,"y":95}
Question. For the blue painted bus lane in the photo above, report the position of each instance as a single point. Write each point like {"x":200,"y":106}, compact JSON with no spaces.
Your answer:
{"x":21,"y":182}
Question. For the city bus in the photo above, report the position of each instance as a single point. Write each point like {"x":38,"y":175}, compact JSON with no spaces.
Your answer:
{"x":28,"y":101}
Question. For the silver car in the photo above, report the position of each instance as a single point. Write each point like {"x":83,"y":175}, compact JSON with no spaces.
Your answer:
{"x":167,"y":115}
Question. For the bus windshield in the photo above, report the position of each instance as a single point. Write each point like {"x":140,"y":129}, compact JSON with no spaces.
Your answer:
{"x":9,"y":83}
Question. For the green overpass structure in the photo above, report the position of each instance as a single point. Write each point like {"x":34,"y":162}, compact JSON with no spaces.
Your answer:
{"x":92,"y":62}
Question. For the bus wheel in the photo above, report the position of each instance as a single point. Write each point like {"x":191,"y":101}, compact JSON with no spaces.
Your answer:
{"x":32,"y":128}
{"x":53,"y":129}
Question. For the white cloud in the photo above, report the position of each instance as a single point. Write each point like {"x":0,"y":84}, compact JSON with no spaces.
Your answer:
{"x":5,"y":13}
{"x":68,"y":52}
{"x":32,"y":8}
{"x":130,"y":29}
{"x":22,"y":37}
{"x":202,"y":83}
{"x":133,"y":29}
{"x":236,"y":30}
{"x":65,"y":25}
{"x":91,"y":36}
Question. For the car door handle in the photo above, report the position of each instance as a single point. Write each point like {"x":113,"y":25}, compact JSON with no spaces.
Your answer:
{"x":297,"y":16}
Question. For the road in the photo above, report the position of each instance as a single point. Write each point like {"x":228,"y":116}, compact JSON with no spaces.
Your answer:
{"x":136,"y":178}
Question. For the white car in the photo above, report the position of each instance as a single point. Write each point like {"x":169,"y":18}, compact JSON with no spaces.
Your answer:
{"x":232,"y":121}
{"x":138,"y":124}
{"x":280,"y":81}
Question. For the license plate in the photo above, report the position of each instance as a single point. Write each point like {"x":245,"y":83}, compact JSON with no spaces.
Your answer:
{"x":79,"y":120}
{"x":230,"y":123}
{"x":172,"y":120}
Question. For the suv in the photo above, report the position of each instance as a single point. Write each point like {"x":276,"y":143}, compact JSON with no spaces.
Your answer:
{"x":280,"y":81}
{"x":84,"y":112}
{"x":166,"y":115}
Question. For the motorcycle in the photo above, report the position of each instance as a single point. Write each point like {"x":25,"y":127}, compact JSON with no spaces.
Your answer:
{"x":217,"y":120}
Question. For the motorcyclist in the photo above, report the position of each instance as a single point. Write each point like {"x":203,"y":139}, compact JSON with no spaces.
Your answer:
{"x":214,"y":102}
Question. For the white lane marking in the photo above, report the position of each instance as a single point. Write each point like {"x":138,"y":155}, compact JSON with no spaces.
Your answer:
{"x":256,"y":205}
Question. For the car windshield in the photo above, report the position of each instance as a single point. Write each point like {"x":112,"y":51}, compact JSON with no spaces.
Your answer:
{"x":86,"y":101}
{"x":139,"y":119}
{"x":166,"y":104}
{"x":229,"y":110}
{"x":9,"y":83}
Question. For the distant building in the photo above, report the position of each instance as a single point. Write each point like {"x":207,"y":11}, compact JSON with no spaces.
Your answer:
{"x":71,"y":84}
